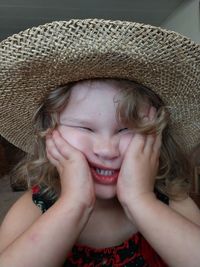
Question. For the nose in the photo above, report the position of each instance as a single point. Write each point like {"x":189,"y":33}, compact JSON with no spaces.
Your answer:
{"x":106,"y":147}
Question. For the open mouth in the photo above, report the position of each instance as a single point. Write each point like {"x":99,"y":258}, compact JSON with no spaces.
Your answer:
{"x":104,"y":176}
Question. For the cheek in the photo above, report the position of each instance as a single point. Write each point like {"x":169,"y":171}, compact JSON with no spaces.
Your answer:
{"x":76,"y":139}
{"x":124,"y":143}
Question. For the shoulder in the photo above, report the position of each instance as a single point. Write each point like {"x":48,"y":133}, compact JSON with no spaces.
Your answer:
{"x":20,"y":216}
{"x":187,"y":208}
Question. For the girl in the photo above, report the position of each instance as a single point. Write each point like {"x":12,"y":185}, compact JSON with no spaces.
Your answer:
{"x":108,"y":182}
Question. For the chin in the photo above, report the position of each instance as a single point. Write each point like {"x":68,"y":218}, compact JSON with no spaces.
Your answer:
{"x":105,"y":191}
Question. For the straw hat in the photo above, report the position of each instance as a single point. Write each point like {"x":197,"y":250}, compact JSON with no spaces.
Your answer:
{"x":41,"y":58}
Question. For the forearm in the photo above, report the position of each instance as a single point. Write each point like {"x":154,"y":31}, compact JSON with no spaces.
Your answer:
{"x":175,"y":238}
{"x":47,"y":242}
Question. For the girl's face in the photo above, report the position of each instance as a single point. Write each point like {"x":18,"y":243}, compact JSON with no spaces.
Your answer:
{"x":89,"y":124}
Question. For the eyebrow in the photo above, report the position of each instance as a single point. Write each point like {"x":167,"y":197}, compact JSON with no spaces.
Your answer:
{"x":75,"y":120}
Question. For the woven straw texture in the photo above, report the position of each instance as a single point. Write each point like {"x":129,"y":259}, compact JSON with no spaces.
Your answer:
{"x":41,"y":58}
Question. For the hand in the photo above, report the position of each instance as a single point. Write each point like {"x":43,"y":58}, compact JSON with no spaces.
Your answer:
{"x":139,"y":167}
{"x":75,"y":177}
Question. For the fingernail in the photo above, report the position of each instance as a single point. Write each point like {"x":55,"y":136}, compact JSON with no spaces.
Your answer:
{"x":145,"y":119}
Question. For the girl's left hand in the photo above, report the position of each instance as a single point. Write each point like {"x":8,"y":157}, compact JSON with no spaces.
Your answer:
{"x":139,"y":167}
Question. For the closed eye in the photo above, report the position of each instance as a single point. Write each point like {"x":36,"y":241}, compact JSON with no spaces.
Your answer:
{"x":85,"y":128}
{"x":78,"y":127}
{"x":122,"y":130}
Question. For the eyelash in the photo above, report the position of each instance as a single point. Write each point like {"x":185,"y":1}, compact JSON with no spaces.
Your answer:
{"x":90,"y":130}
{"x":123,"y":129}
{"x":85,"y":128}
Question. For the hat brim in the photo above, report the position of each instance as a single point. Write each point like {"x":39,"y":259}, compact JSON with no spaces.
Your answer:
{"x":41,"y":58}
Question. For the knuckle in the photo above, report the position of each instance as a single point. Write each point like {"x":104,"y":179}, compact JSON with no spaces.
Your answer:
{"x":62,"y":150}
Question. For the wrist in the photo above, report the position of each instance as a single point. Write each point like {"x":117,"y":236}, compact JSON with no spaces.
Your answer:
{"x":84,"y":201}
{"x":135,"y":205}
{"x":79,"y":211}
{"x":133,"y":200}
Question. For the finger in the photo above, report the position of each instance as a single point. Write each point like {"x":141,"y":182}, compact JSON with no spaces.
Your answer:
{"x":152,"y":113}
{"x":144,"y":111}
{"x":150,"y":140}
{"x":157,"y":144}
{"x":52,"y":149}
{"x":64,"y":148}
{"x":155,"y":152}
{"x":137,"y":144}
{"x":53,"y":161}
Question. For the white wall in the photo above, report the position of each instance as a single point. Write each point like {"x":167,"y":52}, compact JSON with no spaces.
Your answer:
{"x":185,"y":20}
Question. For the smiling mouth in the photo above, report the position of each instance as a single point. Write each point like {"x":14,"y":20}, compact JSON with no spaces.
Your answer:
{"x":104,"y":176}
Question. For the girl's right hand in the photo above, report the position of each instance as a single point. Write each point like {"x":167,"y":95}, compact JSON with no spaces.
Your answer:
{"x":75,"y":176}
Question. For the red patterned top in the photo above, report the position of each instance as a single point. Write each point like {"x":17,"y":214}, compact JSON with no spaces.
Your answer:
{"x":134,"y":252}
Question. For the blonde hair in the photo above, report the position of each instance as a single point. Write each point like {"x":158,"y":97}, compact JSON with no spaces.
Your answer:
{"x":174,"y":168}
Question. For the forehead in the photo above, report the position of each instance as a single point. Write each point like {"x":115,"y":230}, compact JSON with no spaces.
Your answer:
{"x":92,"y":101}
{"x":95,"y":91}
{"x":102,"y":98}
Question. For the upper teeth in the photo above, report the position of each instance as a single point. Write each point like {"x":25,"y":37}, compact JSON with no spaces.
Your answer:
{"x":104,"y":172}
